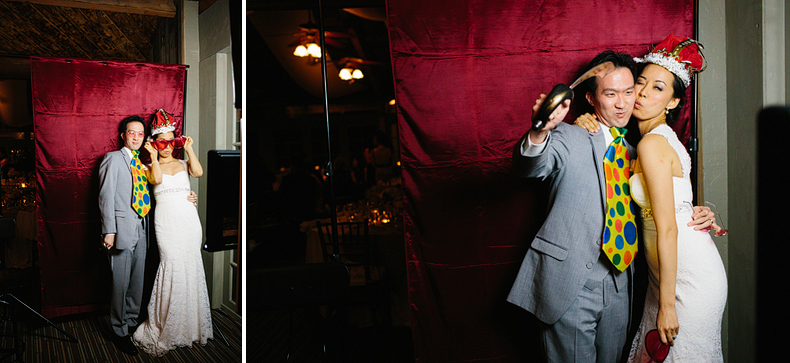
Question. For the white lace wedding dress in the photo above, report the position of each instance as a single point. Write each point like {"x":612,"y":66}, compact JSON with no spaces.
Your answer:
{"x":179,"y":312}
{"x":701,"y":290}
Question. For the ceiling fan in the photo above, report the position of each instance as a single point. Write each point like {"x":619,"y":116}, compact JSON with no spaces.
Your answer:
{"x":350,"y":68}
{"x":356,"y":62}
{"x":309,"y":37}
{"x":310,"y":29}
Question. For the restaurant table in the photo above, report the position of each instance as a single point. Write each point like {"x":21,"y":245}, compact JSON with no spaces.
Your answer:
{"x":388,"y":248}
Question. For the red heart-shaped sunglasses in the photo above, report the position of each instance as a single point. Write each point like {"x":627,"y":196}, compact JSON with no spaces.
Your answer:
{"x":176,"y":143}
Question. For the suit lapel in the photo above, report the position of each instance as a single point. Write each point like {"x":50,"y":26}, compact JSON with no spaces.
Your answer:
{"x":127,"y":160}
{"x":598,"y":145}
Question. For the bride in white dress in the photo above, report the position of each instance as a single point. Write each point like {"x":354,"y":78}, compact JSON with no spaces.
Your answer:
{"x":687,"y":286}
{"x":687,"y":283}
{"x":179,"y":312}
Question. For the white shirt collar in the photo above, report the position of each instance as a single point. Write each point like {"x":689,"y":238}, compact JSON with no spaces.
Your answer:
{"x":127,"y":151}
{"x":607,"y":134}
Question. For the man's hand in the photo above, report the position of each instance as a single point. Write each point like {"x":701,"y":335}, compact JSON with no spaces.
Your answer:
{"x":109,"y":241}
{"x":192,"y":197}
{"x":555,"y":118}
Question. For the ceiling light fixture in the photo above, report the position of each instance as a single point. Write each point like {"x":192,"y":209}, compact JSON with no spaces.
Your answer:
{"x":345,"y":74}
{"x":350,"y":69}
{"x":301,"y":51}
{"x":314,"y":50}
{"x":307,"y":46}
{"x":350,"y":73}
{"x":357,"y":74}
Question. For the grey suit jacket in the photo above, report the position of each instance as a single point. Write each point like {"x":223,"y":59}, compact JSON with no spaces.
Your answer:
{"x":564,"y":256}
{"x":115,"y":199}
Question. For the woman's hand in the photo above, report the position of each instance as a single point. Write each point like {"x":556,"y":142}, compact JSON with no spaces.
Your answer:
{"x":667,"y":324}
{"x":192,"y":197}
{"x":703,"y":219}
{"x":588,"y":121}
{"x":195,"y":169}
{"x":151,"y":150}
{"x":188,"y":143}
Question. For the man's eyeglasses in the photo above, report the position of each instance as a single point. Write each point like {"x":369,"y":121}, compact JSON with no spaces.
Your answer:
{"x":657,"y":350}
{"x":176,"y":143}
{"x":131,"y":133}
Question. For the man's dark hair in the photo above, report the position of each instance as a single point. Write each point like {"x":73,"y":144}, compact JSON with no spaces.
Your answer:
{"x":618,"y":58}
{"x":126,"y":121}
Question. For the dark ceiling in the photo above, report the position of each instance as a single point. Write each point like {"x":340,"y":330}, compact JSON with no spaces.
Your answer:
{"x":275,"y":75}
{"x":123,"y":30}
{"x":85,"y":29}
{"x":99,"y":29}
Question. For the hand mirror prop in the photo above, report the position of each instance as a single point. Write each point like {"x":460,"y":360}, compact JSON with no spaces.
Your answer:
{"x":561,"y":92}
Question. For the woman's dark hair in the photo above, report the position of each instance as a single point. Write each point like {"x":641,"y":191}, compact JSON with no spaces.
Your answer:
{"x":126,"y":121}
{"x":679,"y":91}
{"x":156,"y":137}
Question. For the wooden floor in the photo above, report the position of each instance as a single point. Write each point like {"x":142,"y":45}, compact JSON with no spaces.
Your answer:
{"x":44,"y":343}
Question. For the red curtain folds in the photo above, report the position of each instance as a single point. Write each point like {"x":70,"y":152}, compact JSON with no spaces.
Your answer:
{"x":466,"y":76}
{"x":77,"y":106}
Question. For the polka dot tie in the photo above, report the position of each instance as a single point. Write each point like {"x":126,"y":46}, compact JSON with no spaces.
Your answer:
{"x":141,"y":201}
{"x":619,"y":237}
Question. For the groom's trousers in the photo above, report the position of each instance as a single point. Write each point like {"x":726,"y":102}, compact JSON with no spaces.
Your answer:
{"x":128,"y":270}
{"x":594,"y":328}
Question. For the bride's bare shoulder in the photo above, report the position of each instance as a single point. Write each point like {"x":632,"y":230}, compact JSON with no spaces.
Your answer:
{"x":652,"y":142}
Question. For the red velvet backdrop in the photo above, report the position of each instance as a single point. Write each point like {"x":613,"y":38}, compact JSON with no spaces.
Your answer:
{"x":466,"y":76}
{"x":77,"y":106}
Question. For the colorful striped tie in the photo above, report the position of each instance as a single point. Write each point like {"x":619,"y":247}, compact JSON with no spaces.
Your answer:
{"x":619,"y":237}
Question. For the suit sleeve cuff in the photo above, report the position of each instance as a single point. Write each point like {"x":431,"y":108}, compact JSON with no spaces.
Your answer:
{"x":528,"y":148}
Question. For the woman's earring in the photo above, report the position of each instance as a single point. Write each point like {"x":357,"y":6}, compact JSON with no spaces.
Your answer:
{"x":667,"y":111}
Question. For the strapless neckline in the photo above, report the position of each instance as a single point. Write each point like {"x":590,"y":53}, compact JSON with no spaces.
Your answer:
{"x":182,"y":171}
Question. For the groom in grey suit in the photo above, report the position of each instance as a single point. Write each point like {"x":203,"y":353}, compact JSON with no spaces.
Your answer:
{"x":581,"y":299}
{"x":125,"y":234}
